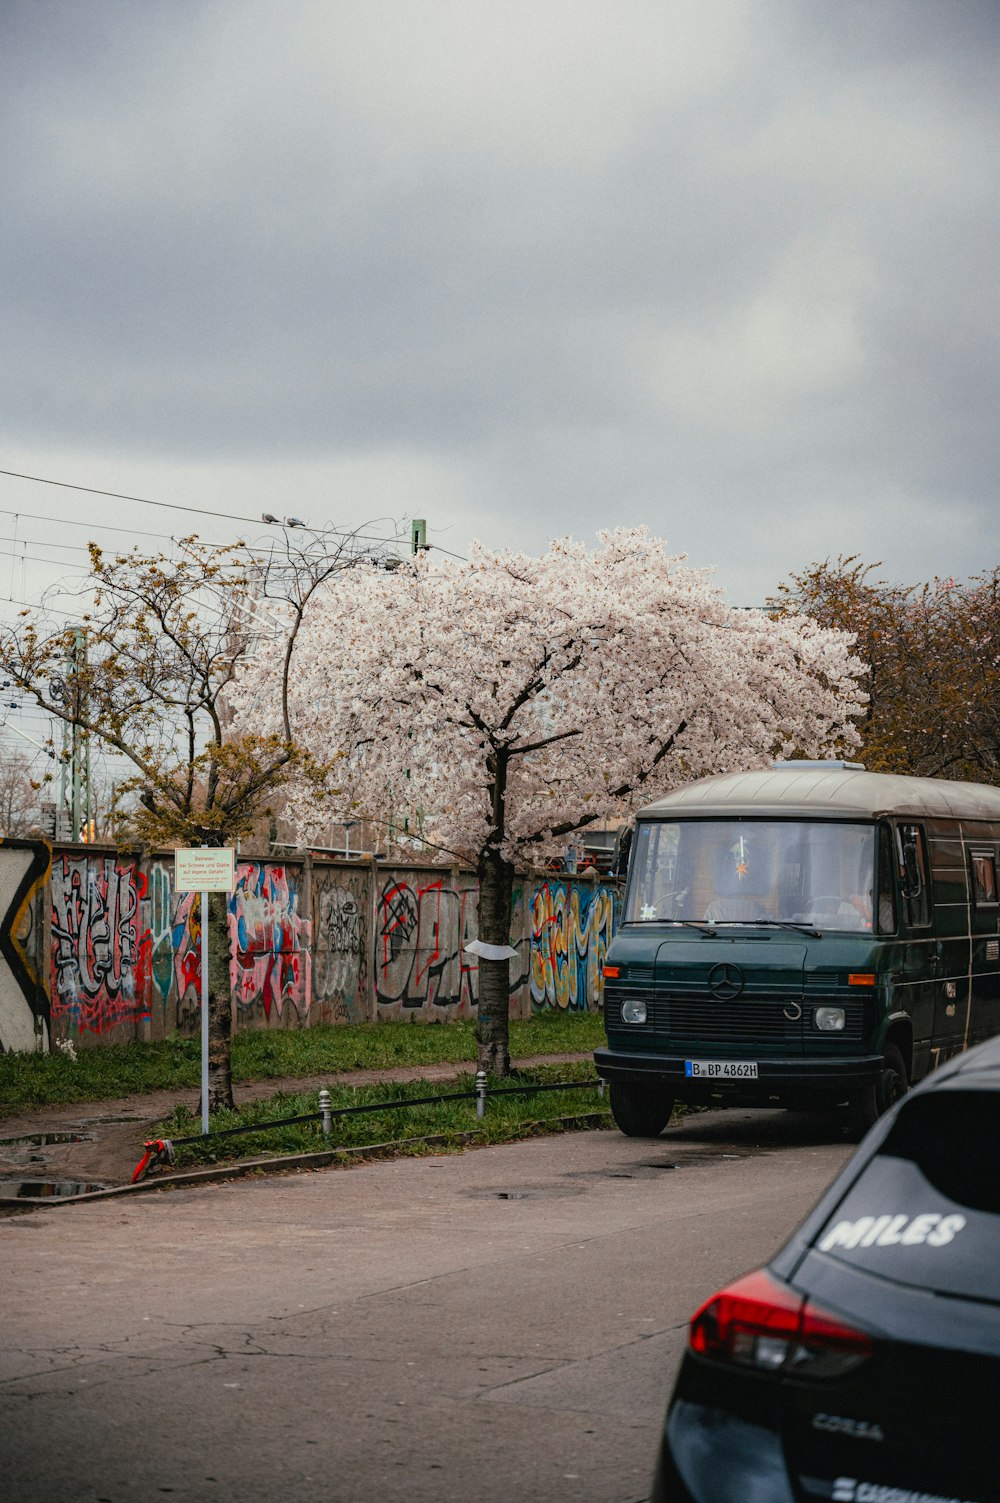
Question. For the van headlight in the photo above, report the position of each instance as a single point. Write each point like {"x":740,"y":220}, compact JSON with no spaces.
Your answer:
{"x":830,"y":1019}
{"x":633,"y":1010}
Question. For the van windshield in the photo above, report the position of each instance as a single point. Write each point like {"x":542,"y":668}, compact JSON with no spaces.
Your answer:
{"x":753,"y":871}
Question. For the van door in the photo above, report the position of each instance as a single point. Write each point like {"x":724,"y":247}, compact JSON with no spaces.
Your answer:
{"x":917,"y":985}
{"x":984,"y":924}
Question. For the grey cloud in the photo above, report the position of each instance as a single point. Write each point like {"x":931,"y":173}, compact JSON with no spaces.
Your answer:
{"x":707,"y":267}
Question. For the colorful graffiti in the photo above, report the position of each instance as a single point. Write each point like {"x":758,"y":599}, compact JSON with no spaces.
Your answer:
{"x":571,"y":929}
{"x":101,"y":948}
{"x":124,"y":951}
{"x":420,"y":938}
{"x":175,"y":951}
{"x":161,"y":931}
{"x":24,"y":1005}
{"x":185,"y":949}
{"x":270,"y":962}
{"x":340,"y":908}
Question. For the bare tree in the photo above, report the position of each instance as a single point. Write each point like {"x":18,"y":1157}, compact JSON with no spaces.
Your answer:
{"x":146,"y":672}
{"x":20,"y":787}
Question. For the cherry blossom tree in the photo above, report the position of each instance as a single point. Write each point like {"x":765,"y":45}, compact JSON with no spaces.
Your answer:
{"x":503,"y":703}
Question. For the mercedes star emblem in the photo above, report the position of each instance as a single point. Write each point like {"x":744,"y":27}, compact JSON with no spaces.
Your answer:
{"x":725,"y":981}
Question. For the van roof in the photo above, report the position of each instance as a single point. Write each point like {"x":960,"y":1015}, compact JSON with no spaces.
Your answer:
{"x":835,"y":791}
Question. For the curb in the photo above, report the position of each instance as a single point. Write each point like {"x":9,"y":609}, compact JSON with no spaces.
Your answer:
{"x":326,"y":1158}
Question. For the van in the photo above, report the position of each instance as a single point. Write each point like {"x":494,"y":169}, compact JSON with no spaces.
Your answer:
{"x":808,"y":936}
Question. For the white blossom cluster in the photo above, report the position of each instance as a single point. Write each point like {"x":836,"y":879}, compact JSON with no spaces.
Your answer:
{"x":512,"y":699}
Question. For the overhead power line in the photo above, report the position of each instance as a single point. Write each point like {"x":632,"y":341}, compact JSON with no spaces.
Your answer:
{"x":197,"y":511}
{"x":42,"y":516}
{"x":44,"y":607}
{"x":37,"y":558}
{"x":90,"y":490}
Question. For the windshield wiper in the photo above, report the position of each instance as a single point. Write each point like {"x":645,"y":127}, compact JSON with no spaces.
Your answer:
{"x":704,"y":928}
{"x":790,"y":924}
{"x":755,"y":923}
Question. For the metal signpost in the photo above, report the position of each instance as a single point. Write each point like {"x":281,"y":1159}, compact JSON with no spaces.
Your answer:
{"x":204,"y":869}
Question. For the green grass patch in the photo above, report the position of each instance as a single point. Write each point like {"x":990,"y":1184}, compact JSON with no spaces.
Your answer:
{"x":507,"y":1117}
{"x":28,"y":1080}
{"x":102,"y":1072}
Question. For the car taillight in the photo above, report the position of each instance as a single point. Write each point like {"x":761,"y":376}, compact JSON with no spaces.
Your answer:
{"x":760,"y":1323}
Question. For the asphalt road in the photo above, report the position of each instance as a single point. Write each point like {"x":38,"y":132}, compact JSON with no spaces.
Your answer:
{"x":501,"y":1324}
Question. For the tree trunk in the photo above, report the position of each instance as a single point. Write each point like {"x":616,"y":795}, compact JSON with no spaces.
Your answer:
{"x":496,"y":888}
{"x":220,"y":1021}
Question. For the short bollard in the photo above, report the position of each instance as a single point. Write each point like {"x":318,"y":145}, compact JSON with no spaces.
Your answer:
{"x":324,"y":1111}
{"x":600,"y":1088}
{"x":480,"y":1094}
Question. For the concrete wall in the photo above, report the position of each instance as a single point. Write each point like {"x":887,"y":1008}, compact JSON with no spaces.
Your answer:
{"x":24,"y":1000}
{"x":96,"y":946}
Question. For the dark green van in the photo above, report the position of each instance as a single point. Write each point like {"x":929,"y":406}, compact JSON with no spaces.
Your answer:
{"x":805,"y":936}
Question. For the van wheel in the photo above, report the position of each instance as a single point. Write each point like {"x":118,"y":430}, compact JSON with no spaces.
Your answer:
{"x":883,"y":1092}
{"x":640,"y":1112}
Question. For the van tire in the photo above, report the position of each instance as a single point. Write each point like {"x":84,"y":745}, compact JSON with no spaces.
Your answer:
{"x":883,"y":1092}
{"x":640,"y":1111}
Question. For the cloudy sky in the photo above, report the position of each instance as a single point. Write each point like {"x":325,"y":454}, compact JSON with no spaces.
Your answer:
{"x":724,"y":267}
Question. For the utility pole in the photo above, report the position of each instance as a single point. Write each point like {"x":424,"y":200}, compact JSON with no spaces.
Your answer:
{"x":76,"y":744}
{"x":79,"y":766}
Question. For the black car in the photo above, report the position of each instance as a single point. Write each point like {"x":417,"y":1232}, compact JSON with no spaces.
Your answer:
{"x":862,"y":1365}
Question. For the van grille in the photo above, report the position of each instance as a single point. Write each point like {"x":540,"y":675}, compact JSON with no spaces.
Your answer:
{"x":761,"y":1021}
{"x":746,"y":1020}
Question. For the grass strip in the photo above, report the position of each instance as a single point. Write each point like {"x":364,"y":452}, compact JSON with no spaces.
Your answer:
{"x":404,"y":1112}
{"x":104,"y":1071}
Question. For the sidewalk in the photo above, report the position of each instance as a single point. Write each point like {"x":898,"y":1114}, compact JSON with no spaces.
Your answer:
{"x":114,"y":1130}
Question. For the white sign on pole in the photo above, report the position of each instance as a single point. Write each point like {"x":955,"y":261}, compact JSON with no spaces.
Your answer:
{"x":204,"y":869}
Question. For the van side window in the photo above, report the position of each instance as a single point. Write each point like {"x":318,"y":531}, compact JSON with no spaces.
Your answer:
{"x":886,"y":887}
{"x":912,"y":866}
{"x":984,"y":879}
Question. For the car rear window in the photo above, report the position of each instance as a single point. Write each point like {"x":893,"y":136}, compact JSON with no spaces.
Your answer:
{"x":925,"y":1210}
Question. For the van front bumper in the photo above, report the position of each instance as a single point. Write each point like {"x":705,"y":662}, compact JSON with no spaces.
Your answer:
{"x":777,"y":1076}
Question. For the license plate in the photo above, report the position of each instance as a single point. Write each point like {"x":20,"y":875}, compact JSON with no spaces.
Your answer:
{"x":721,"y":1069}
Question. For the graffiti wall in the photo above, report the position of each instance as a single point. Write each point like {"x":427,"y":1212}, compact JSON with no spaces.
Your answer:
{"x":571,"y":929}
{"x":341,"y":972}
{"x":101,"y":944}
{"x":24,"y":1002}
{"x":270,"y":942}
{"x":310,"y":942}
{"x":423,"y":921}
